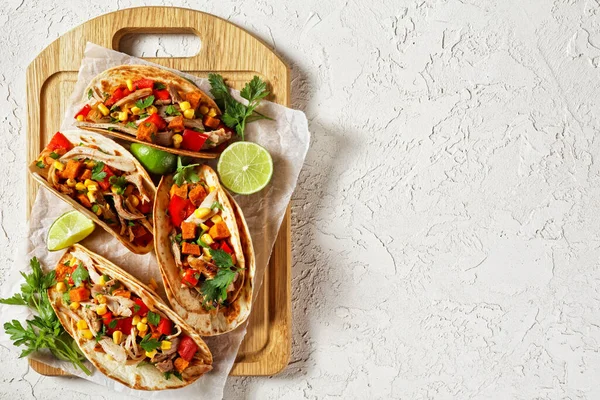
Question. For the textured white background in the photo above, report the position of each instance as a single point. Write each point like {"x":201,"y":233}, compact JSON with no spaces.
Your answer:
{"x":445,"y":230}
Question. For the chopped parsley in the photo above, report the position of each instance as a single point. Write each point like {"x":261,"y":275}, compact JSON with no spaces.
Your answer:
{"x":172,"y":110}
{"x":40,"y":164}
{"x":147,"y":102}
{"x":98,"y":174}
{"x":185,"y":173}
{"x":101,"y":333}
{"x":136,"y":308}
{"x":90,"y":93}
{"x":159,"y":86}
{"x":153,"y":318}
{"x":131,"y":125}
{"x":113,"y":324}
{"x":119,"y":182}
{"x":80,"y":275}
{"x":215,"y":290}
{"x":54,"y":155}
{"x":216,"y":205}
{"x":149,"y":344}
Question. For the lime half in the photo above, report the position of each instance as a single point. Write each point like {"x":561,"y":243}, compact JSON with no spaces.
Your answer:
{"x":245,"y":167}
{"x":68,"y":229}
{"x":155,"y":161}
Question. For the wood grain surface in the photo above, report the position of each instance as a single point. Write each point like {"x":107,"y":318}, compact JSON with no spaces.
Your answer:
{"x":226,"y":49}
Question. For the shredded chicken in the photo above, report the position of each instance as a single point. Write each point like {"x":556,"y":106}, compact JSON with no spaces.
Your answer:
{"x":119,"y":305}
{"x":91,"y":318}
{"x":164,"y":138}
{"x":167,"y":353}
{"x":175,"y":97}
{"x":162,"y":102}
{"x":164,"y":366}
{"x":123,"y":213}
{"x":138,"y":94}
{"x":117,"y":352}
{"x":193,"y":123}
{"x":206,"y":268}
{"x":176,"y":251}
{"x":174,"y":335}
{"x":136,"y":179}
{"x":216,"y":138}
{"x":96,"y":94}
{"x":119,"y":162}
{"x":88,"y":264}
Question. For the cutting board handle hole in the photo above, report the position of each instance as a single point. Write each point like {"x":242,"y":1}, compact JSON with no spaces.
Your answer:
{"x":159,"y":45}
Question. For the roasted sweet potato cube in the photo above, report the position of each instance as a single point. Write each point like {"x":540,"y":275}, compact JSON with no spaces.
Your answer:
{"x":79,"y":294}
{"x":193,"y":98}
{"x":72,"y":169}
{"x":83,"y":199}
{"x":147,"y":131}
{"x":190,"y":248}
{"x":188,"y":230}
{"x":219,"y":231}
{"x":181,"y":191}
{"x":176,"y":124}
{"x":197,"y":195}
{"x":181,"y":364}
{"x":87,"y":174}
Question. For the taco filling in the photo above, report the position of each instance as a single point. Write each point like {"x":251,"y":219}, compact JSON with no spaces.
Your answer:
{"x":157,"y":112}
{"x":123,"y":327}
{"x":109,"y":185}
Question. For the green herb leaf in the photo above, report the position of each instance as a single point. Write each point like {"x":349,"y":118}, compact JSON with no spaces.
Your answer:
{"x":90,"y":93}
{"x":215,"y":290}
{"x":216,"y":205}
{"x":131,"y":125}
{"x":66,"y":297}
{"x":119,"y":182}
{"x":81,"y":274}
{"x":153,"y":318}
{"x":113,"y":324}
{"x":136,"y":308}
{"x":95,"y":208}
{"x":159,"y":86}
{"x":185,"y":173}
{"x":221,"y":258}
{"x":149,"y":344}
{"x":172,"y":110}
{"x":97,"y":174}
{"x":101,"y":333}
{"x":202,"y":243}
{"x":40,"y":164}
{"x":54,"y":155}
{"x":147,"y":102}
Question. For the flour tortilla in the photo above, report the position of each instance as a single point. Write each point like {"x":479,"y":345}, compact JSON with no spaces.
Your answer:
{"x":110,"y":147}
{"x":185,"y":301}
{"x":141,"y":378}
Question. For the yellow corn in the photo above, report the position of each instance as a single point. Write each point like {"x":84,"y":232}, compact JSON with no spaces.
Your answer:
{"x":80,"y":118}
{"x":177,"y":139}
{"x":114,"y":189}
{"x":203,"y":110}
{"x":81,"y":324}
{"x":90,"y":164}
{"x":133,"y":199}
{"x":142,"y":327}
{"x":151,"y":354}
{"x":129,"y":83}
{"x":74,"y":305}
{"x":80,"y":186}
{"x":101,"y":299}
{"x":93,"y":187}
{"x":91,"y":196}
{"x":212,"y":112}
{"x":87,"y":334}
{"x":153,"y":285}
{"x":204,"y":227}
{"x":185,"y":105}
{"x":101,"y":309}
{"x":216,"y":218}
{"x":211,"y":189}
{"x":101,"y":281}
{"x":145,"y":320}
{"x":61,"y":287}
{"x":136,"y":110}
{"x":88,"y":182}
{"x":206,"y":252}
{"x":165,"y":345}
{"x":151,"y":110}
{"x":202,"y":212}
{"x":206,"y":238}
{"x":123,"y":116}
{"x":117,"y":337}
{"x":58,"y":165}
{"x":136,"y":320}
{"x":189,"y":114}
{"x":71,"y":182}
{"x":103,"y":109}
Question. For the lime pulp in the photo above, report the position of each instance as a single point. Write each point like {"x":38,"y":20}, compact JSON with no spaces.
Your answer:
{"x":245,"y":167}
{"x":68,"y":229}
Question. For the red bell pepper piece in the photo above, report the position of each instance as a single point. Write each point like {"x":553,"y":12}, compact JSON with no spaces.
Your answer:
{"x":157,"y":120}
{"x":144,"y":207}
{"x":143,"y":310}
{"x":162,"y":94}
{"x":187,"y":348}
{"x":225,"y":247}
{"x":165,"y":326}
{"x":105,"y":183}
{"x":193,"y":140}
{"x":84,"y":111}
{"x":59,"y":141}
{"x":189,"y":277}
{"x":117,"y":95}
{"x":143,"y":84}
{"x":180,"y":209}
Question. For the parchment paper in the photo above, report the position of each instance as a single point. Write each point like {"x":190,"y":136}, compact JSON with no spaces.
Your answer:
{"x":287,"y":139}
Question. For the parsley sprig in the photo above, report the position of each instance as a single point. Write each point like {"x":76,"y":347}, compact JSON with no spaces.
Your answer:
{"x":119,"y":182}
{"x":235,"y":113}
{"x":44,"y":331}
{"x":98,"y":174}
{"x":215,"y":290}
{"x":185,"y":173}
{"x":147,"y":102}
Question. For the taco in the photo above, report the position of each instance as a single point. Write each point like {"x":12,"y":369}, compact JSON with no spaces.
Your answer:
{"x":150,"y":105}
{"x":104,"y":181}
{"x":123,"y":328}
{"x":204,"y":250}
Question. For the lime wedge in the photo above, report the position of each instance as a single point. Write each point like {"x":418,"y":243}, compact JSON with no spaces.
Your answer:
{"x":245,"y":167}
{"x":155,"y":161}
{"x":68,"y":229}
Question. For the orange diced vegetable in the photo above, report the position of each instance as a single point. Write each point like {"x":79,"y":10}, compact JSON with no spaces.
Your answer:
{"x":219,"y":231}
{"x":146,"y":131}
{"x":83,"y":199}
{"x":177,"y":124}
{"x":211,"y":122}
{"x":193,"y":98}
{"x":72,"y":169}
{"x":188,"y":230}
{"x":79,"y":294}
{"x":190,"y":248}
{"x":197,"y":195}
{"x":87,"y":174}
{"x":181,"y":191}
{"x":122,"y":293}
{"x":181,"y":364}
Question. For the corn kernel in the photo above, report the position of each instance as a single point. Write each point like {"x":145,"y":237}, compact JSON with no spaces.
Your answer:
{"x":71,"y":182}
{"x":202,"y":212}
{"x":74,"y":305}
{"x":80,"y":187}
{"x":114,"y":189}
{"x":93,"y":187}
{"x":91,"y":197}
{"x":136,"y":110}
{"x":129,"y":83}
{"x":89,"y":182}
{"x":203,"y":110}
{"x":145,"y":320}
{"x":151,"y":354}
{"x":212,"y":112}
{"x":123,"y":116}
{"x":165,"y":345}
{"x":80,"y":118}
{"x":206,"y":252}
{"x":133,"y":199}
{"x":185,"y":105}
{"x":189,"y":114}
{"x":99,"y":211}
{"x":61,"y":287}
{"x":101,"y":299}
{"x":153,"y":285}
{"x":87,"y":334}
{"x":204,"y":227}
{"x":151,"y":110}
{"x":206,"y":238}
{"x":103,"y":109}
{"x":101,"y":309}
{"x":101,"y":281}
{"x":81,"y":324}
{"x":177,"y":139}
{"x":117,"y":337}
{"x":216,"y":218}
{"x":90,"y":164}
{"x":58,"y":165}
{"x":211,"y":189}
{"x":142,"y":327}
{"x":136,"y":320}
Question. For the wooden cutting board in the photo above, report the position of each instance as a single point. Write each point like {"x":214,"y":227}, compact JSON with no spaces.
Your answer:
{"x":226,"y":49}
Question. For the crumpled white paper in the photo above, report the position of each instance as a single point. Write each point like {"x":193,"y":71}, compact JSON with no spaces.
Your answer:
{"x":286,"y":138}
